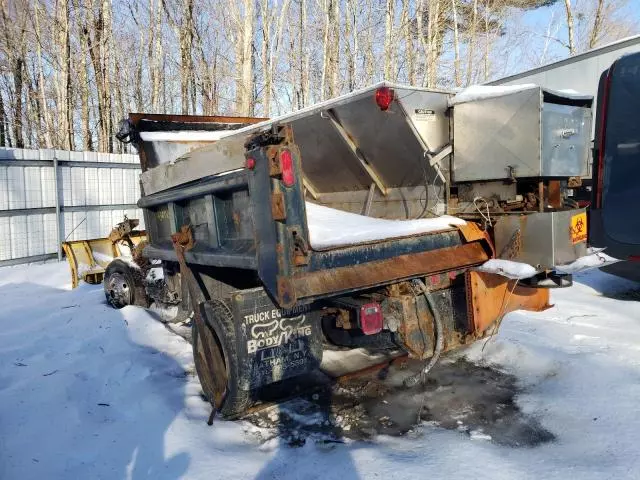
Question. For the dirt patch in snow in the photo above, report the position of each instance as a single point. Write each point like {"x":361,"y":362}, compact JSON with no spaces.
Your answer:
{"x":475,"y":400}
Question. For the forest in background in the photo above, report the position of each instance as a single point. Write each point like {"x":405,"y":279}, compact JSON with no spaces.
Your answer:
{"x":71,"y":69}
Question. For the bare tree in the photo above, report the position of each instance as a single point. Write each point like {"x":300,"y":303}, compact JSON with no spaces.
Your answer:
{"x":409,"y":53}
{"x":456,"y":43}
{"x":95,"y":60}
{"x":569,"y":14}
{"x":597,"y":23}
{"x":389,"y":40}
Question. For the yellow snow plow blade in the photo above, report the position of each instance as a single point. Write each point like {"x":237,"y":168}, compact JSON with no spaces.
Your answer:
{"x":88,"y":259}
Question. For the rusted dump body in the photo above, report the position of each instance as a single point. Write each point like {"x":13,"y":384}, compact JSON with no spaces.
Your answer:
{"x":241,"y":200}
{"x":249,"y":219}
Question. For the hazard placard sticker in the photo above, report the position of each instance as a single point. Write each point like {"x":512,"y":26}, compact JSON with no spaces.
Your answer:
{"x":578,"y":228}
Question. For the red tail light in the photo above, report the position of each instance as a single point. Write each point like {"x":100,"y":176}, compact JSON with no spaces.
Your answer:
{"x":384,"y":97}
{"x":371,"y":318}
{"x":286,"y":166}
{"x":603,"y":131}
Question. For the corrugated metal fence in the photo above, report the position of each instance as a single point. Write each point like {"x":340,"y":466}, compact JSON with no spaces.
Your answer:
{"x":47,"y":196}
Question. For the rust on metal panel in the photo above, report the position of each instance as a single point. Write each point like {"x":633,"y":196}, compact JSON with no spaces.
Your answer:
{"x":144,"y":165}
{"x":541,"y":201}
{"x":184,"y":239}
{"x":512,"y":249}
{"x":286,"y":292}
{"x":490,"y":296}
{"x":379,"y":272}
{"x":472,"y":232}
{"x":274,"y":161}
{"x":555,"y":196}
{"x":277,"y":206}
{"x":416,"y":327}
{"x":574,"y":182}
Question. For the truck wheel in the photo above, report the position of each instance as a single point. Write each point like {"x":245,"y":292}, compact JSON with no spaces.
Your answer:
{"x":220,"y":335}
{"x":123,"y":285}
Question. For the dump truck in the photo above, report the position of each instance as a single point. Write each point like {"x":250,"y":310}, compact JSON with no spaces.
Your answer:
{"x":365,"y":221}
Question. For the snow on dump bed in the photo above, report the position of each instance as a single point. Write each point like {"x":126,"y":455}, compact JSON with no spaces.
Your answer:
{"x":330,"y":228}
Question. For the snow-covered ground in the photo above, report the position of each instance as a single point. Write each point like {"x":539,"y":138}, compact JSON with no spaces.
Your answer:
{"x":91,"y":392}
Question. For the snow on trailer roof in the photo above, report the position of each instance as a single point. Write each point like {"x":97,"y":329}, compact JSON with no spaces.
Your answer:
{"x":483,"y":92}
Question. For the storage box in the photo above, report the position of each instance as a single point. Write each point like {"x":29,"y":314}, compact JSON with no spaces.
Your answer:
{"x":527,"y":133}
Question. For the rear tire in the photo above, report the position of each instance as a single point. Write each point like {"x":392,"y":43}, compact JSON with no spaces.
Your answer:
{"x":123,"y":285}
{"x":220,"y":335}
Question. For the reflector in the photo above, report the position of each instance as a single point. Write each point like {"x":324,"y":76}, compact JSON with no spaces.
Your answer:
{"x":384,"y":97}
{"x":371,"y":318}
{"x":286,"y":166}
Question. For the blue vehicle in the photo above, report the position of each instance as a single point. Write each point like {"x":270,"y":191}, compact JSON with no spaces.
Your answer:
{"x":614,"y":222}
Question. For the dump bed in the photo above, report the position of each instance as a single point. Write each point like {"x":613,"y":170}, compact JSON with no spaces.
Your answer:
{"x":239,"y":222}
{"x":246,"y":214}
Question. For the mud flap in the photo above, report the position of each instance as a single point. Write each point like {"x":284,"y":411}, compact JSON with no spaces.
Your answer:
{"x":273,"y":343}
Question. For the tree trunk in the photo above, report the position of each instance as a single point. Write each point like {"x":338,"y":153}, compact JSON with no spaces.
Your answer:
{"x":83,"y":71}
{"x":154,"y":55}
{"x":435,"y":43}
{"x":597,"y":26}
{"x":303,"y":60}
{"x":247,"y":57}
{"x":244,"y":56}
{"x":186,"y":45}
{"x":17,"y":67}
{"x":46,"y":128}
{"x":408,"y":42}
{"x":486,"y":42}
{"x":3,"y":123}
{"x":423,"y":38}
{"x":98,"y":45}
{"x":389,"y":53}
{"x":472,"y":41}
{"x":351,"y":34}
{"x":326,"y":49}
{"x":265,"y":55}
{"x":69,"y":141}
{"x":571,"y":45}
{"x":274,"y":52}
{"x":456,"y":44}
